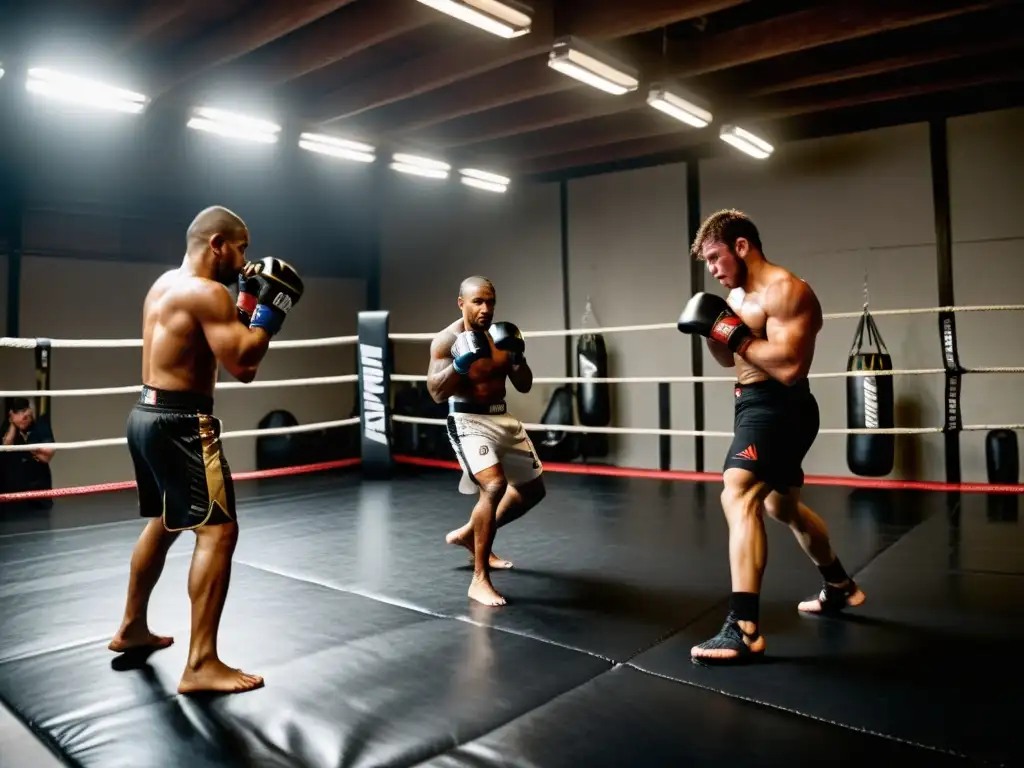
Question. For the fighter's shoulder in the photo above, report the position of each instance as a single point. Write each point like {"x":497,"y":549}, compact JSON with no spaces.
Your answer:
{"x":443,"y":341}
{"x":788,"y":295}
{"x":191,"y":292}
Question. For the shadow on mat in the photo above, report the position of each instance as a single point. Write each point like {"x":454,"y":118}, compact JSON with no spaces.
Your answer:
{"x":594,"y":593}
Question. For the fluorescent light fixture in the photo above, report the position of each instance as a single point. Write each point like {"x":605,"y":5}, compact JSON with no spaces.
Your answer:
{"x":77,"y":90}
{"x":420,"y":166}
{"x":234,"y":126}
{"x":335,"y":147}
{"x":578,"y":59}
{"x":504,"y":18}
{"x":485,"y":180}
{"x":669,"y":99}
{"x":745,"y":141}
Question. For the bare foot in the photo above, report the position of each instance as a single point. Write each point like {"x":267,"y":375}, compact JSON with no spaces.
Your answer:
{"x":138,"y":637}
{"x":815,"y":604}
{"x":482,"y":591}
{"x":217,"y":677}
{"x":464,"y":537}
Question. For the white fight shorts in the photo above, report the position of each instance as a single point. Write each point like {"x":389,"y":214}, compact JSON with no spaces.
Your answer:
{"x":483,"y":440}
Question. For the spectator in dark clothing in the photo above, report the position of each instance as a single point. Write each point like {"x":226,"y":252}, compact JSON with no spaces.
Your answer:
{"x":27,"y":470}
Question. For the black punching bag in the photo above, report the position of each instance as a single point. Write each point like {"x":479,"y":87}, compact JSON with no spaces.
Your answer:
{"x":1002,"y":457}
{"x":593,"y":398}
{"x":869,"y":404}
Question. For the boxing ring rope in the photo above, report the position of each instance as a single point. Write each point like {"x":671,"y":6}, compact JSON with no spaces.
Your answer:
{"x":373,"y":379}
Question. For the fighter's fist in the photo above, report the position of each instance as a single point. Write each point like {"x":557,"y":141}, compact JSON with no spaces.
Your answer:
{"x":508,"y":338}
{"x":246,"y":304}
{"x":278,"y":288}
{"x":710,"y":316}
{"x":469,"y":347}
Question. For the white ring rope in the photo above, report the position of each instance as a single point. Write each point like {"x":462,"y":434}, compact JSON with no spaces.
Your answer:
{"x":672,"y":326}
{"x":135,"y":388}
{"x":700,"y":433}
{"x":20,"y":343}
{"x":410,"y":377}
{"x":112,"y":441}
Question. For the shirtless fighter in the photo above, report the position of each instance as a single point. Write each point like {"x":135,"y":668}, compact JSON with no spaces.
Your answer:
{"x":767,"y":330}
{"x":469,"y":362}
{"x":190,"y":325}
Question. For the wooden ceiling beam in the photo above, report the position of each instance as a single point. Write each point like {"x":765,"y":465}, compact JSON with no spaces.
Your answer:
{"x":266,"y":22}
{"x":340,"y":36}
{"x":596,"y":20}
{"x":624,"y":146}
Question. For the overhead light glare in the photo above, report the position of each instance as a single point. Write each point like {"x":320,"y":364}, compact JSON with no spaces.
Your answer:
{"x":488,"y":186}
{"x":745,"y":141}
{"x":335,"y":147}
{"x":89,"y":93}
{"x":494,"y":178}
{"x":579,"y":60}
{"x":504,"y":18}
{"x":421,"y":162}
{"x":683,"y":109}
{"x":419,"y":170}
{"x":234,"y":126}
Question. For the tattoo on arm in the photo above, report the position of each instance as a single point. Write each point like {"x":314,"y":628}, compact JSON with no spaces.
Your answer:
{"x":442,"y":378}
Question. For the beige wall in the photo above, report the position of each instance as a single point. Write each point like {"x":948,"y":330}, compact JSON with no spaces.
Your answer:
{"x":433,"y":239}
{"x":986,"y":168}
{"x":627,"y":246}
{"x":73,"y":298}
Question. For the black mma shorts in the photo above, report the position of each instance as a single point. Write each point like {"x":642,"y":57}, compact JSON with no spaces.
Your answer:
{"x":774,"y":427}
{"x":180,"y":468}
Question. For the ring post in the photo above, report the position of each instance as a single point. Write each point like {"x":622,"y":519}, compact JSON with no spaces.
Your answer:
{"x":374,"y":395}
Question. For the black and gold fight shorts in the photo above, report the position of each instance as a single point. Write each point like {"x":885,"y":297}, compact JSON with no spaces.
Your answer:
{"x":180,"y":468}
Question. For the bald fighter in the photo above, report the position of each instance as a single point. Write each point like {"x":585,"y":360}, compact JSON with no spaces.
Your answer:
{"x":469,"y":363}
{"x":191,"y":325}
{"x":766,"y":329}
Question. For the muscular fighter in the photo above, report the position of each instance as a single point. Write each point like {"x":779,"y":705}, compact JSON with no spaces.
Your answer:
{"x":191,"y":325}
{"x":470,"y":361}
{"x":766,"y":329}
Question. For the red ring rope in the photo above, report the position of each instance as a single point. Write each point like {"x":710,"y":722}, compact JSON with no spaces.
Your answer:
{"x":712,"y":477}
{"x":127,"y":485}
{"x":576,"y":469}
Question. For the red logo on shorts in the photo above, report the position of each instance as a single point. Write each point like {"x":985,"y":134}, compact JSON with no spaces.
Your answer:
{"x":750,"y":452}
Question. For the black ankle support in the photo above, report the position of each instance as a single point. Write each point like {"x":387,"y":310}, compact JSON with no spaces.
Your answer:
{"x":745,"y":606}
{"x":834,"y":573}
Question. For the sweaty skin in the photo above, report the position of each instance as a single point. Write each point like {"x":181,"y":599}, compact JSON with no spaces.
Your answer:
{"x":785,"y":317}
{"x":190,"y":325}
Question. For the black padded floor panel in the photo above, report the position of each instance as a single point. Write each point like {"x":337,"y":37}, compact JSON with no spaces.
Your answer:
{"x":345,"y":597}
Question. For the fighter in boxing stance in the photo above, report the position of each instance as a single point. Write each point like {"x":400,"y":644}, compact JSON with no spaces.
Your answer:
{"x":767,"y":330}
{"x":190,"y":325}
{"x":469,"y":362}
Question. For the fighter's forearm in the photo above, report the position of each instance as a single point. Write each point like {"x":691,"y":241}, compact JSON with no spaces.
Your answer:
{"x":521,"y":377}
{"x":780,"y":361}
{"x":722,"y":354}
{"x":443,"y":383}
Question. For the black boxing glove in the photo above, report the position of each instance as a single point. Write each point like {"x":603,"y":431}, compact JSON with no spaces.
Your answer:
{"x":469,"y":347}
{"x":710,"y":316}
{"x":508,"y":338}
{"x":247,"y":298}
{"x":278,"y":289}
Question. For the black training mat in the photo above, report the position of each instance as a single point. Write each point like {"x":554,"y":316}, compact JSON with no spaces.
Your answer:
{"x":627,"y":718}
{"x":346,"y":598}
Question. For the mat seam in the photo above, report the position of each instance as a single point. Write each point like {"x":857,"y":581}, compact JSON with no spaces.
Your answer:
{"x":816,"y":718}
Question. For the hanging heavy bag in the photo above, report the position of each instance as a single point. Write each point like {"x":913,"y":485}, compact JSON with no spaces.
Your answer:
{"x":869,"y":403}
{"x":1002,"y":457}
{"x":594,"y":400}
